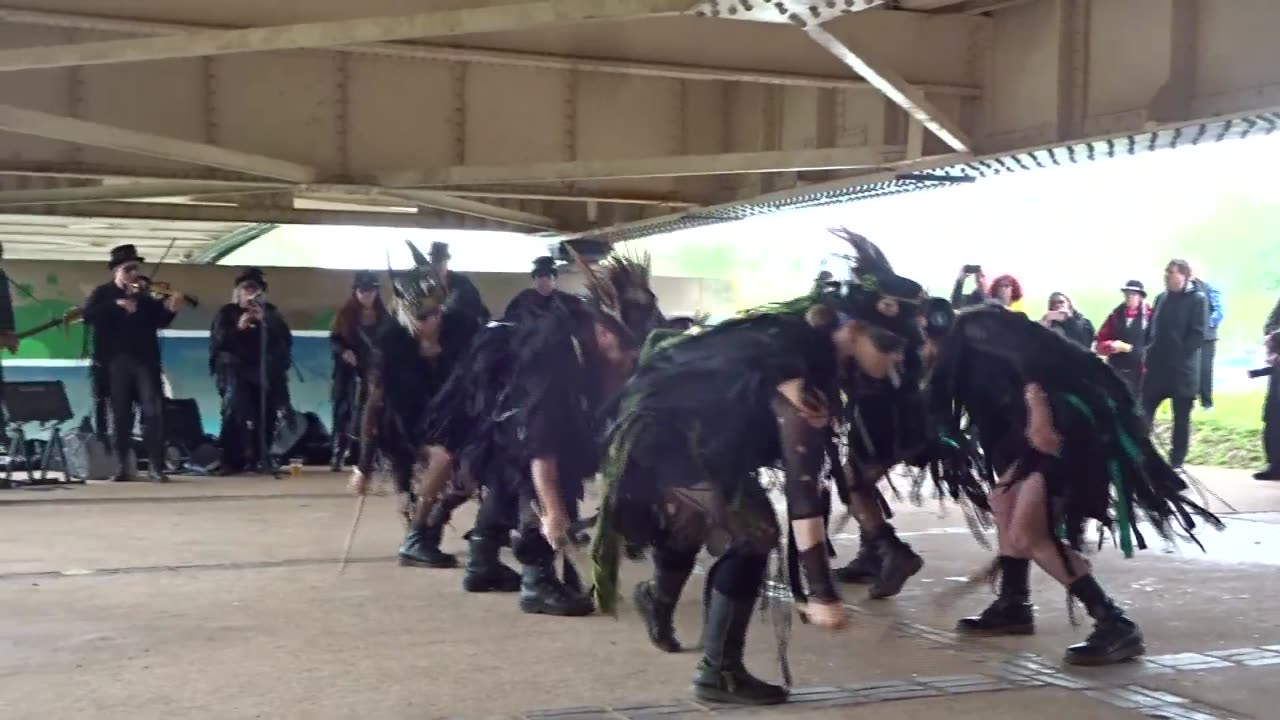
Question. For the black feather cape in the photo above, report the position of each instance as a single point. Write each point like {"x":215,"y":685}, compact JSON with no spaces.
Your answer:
{"x":1108,"y":467}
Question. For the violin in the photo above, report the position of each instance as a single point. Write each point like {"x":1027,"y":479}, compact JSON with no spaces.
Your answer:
{"x":162,"y":290}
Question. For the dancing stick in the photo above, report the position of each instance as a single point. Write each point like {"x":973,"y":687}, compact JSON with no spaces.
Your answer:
{"x":351,"y":536}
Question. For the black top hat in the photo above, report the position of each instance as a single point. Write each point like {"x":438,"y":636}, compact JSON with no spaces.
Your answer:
{"x":439,"y":251}
{"x":545,"y":265}
{"x":253,"y":275}
{"x":122,"y":254}
{"x":365,"y":280}
{"x":1134,"y":286}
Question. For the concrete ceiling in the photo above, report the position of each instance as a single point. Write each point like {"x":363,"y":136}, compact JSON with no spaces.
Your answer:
{"x":572,"y":116}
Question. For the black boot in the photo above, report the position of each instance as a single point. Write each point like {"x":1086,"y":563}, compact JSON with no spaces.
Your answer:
{"x":340,"y":446}
{"x":897,"y":563}
{"x":1115,"y":638}
{"x":721,"y":677}
{"x":542,"y":593}
{"x":864,"y":567}
{"x":658,"y":613}
{"x":1012,"y":612}
{"x":422,"y":549}
{"x":484,"y":571}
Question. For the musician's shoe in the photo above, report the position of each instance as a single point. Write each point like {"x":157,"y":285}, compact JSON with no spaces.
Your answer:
{"x":157,"y":476}
{"x":122,"y":475}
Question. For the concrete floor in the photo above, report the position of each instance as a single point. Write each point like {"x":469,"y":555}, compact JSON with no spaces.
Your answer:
{"x":219,"y":598}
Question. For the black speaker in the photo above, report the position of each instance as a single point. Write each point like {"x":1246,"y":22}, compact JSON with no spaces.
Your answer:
{"x":182,"y":425}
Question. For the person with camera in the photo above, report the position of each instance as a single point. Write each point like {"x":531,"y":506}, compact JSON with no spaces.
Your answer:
{"x":126,"y":349}
{"x":251,"y":372}
{"x":1004,"y":290}
{"x":1064,"y":319}
{"x":1271,"y":407}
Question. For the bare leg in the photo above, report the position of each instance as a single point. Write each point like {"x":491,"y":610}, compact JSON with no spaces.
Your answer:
{"x":1028,"y":534}
{"x":1011,"y":612}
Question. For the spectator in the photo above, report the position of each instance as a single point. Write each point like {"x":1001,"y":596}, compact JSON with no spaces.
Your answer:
{"x":1210,"y":339}
{"x":1064,"y":319}
{"x":1122,"y":338}
{"x":1271,"y":408}
{"x":1175,"y":339}
{"x":1005,"y":290}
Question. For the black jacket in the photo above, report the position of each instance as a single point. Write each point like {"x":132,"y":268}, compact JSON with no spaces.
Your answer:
{"x":531,"y":302}
{"x":236,"y":353}
{"x":464,"y":297}
{"x":1179,"y":321}
{"x":117,"y":332}
{"x":1076,"y":328}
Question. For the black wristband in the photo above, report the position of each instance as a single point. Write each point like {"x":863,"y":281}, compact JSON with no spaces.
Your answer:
{"x":817,"y":573}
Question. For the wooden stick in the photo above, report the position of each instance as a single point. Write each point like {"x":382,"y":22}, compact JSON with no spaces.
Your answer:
{"x":351,"y":536}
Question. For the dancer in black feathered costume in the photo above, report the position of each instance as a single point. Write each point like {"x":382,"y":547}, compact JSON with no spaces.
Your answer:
{"x":702,"y":415}
{"x":1062,"y":435}
{"x":412,"y":358}
{"x":521,"y":418}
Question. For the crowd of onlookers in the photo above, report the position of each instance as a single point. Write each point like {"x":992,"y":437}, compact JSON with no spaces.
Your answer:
{"x":1163,"y":349}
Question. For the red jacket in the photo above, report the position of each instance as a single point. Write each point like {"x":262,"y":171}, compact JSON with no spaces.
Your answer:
{"x":1108,"y":334}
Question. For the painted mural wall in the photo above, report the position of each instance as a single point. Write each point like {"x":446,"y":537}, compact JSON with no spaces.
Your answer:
{"x":308,"y":298}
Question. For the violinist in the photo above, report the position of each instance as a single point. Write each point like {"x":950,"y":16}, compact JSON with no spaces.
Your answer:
{"x":251,"y":371}
{"x":126,"y":349}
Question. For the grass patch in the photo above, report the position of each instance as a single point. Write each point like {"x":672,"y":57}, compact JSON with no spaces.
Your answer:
{"x":1229,"y":437}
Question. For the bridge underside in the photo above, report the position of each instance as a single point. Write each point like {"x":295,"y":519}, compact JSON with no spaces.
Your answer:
{"x":596,"y":117}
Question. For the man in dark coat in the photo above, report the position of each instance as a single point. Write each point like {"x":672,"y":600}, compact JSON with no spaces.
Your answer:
{"x":542,"y":296}
{"x":1175,"y":340}
{"x":1122,"y":337}
{"x":125,"y":322}
{"x":252,"y":392}
{"x":462,"y":293}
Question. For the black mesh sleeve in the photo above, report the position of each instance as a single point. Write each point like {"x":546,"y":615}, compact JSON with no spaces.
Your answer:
{"x":803,"y":446}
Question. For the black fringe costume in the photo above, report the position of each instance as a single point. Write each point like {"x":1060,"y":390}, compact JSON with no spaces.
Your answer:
{"x":530,"y":390}
{"x":402,"y":382}
{"x":1108,"y":470}
{"x":700,"y":418}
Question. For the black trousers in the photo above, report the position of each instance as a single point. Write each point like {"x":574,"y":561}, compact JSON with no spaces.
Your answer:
{"x":348,"y":395}
{"x":1271,"y":421}
{"x":1206,"y":372}
{"x":1151,"y":402}
{"x":241,"y":437}
{"x":503,"y":509}
{"x":133,"y":382}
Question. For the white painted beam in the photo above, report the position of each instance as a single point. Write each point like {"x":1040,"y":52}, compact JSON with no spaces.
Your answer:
{"x":491,"y":57}
{"x":895,"y":87}
{"x":438,"y":23}
{"x":84,"y":132}
{"x":127,"y":191}
{"x":224,"y":213}
{"x":669,"y":166}
{"x":436,"y":200}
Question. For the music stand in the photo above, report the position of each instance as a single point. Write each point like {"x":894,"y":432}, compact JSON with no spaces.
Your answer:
{"x":44,"y":402}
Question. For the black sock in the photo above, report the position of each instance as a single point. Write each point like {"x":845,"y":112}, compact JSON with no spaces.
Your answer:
{"x":1015,"y":580}
{"x":1095,"y":600}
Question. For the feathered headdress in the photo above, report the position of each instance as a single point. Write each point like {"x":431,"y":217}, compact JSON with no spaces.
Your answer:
{"x":418,"y":290}
{"x":619,"y":293}
{"x":874,"y":293}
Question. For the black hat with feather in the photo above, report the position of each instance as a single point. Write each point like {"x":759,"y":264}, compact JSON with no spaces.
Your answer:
{"x":874,"y":293}
{"x":418,"y":290}
{"x":618,"y":294}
